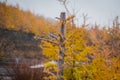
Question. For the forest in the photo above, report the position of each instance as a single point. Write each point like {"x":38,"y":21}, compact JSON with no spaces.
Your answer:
{"x":90,"y":53}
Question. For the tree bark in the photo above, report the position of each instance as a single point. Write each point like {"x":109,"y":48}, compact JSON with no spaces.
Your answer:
{"x":61,"y":46}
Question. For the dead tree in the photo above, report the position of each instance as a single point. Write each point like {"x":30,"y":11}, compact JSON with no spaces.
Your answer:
{"x":61,"y":39}
{"x":61,"y":46}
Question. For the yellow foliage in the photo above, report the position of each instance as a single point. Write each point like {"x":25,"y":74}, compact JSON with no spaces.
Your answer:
{"x":49,"y":50}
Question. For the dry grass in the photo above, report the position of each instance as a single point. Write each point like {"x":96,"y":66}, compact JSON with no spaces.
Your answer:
{"x":23,"y":71}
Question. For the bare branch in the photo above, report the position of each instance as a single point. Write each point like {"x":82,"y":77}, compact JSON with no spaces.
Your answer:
{"x":51,"y":35}
{"x":64,"y":3}
{"x":50,"y":41}
{"x":70,"y":18}
{"x":85,"y":18}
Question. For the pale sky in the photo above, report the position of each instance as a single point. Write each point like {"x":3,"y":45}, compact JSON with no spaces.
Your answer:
{"x":100,"y":11}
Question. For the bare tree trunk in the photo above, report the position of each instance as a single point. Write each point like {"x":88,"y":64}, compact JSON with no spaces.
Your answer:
{"x":62,"y":46}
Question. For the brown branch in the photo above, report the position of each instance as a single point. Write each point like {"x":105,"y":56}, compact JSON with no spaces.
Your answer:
{"x":52,"y":42}
{"x":70,"y":18}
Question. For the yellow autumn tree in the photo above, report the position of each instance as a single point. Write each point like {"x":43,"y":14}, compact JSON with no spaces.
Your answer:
{"x":76,"y":50}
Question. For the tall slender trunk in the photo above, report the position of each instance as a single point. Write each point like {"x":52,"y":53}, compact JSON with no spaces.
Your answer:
{"x":62,"y":46}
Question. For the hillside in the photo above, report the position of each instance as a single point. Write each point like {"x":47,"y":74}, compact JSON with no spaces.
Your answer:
{"x":18,"y":43}
{"x":17,"y":31}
